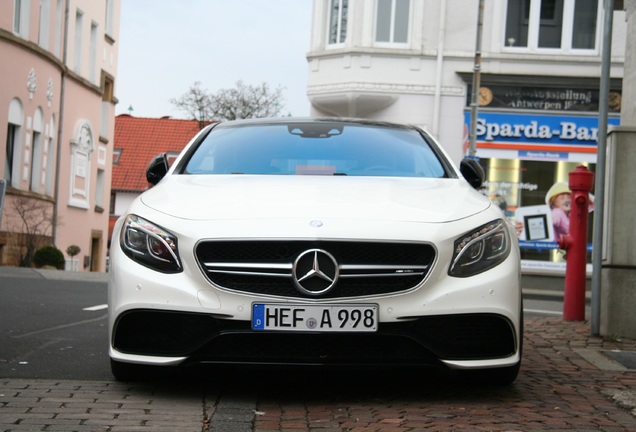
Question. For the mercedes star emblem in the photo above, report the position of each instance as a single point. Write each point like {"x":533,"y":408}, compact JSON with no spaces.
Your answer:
{"x":315,"y":272}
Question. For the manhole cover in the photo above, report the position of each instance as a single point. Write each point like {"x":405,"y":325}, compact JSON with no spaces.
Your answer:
{"x":626,"y":358}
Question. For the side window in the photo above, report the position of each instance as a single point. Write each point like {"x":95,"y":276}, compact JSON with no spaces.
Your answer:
{"x":392,"y":21}
{"x":338,"y":13}
{"x":561,"y":25}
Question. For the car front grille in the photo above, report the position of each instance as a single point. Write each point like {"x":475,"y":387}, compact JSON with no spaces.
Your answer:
{"x":266,"y":267}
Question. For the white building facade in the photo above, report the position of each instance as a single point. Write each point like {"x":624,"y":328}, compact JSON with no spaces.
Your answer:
{"x":412,"y":61}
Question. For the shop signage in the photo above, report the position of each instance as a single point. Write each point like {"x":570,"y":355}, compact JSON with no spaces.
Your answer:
{"x":545,"y":98}
{"x":537,"y":132}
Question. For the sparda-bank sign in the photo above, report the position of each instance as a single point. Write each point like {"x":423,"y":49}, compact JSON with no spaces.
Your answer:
{"x":551,"y":131}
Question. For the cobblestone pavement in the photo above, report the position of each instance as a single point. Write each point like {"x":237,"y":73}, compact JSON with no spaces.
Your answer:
{"x":569,"y":381}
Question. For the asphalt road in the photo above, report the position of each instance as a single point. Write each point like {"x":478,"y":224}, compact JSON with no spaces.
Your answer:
{"x":52,"y":328}
{"x":47,"y":332}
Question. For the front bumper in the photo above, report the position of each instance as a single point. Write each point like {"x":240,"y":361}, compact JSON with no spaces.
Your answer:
{"x":424,"y":341}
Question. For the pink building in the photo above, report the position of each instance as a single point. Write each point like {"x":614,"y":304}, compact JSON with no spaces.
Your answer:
{"x":57,"y":77}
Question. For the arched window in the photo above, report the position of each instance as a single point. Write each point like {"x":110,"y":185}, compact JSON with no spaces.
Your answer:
{"x":14,"y":143}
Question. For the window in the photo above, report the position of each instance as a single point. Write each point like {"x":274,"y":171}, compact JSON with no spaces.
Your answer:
{"x":45,"y":23}
{"x":21,"y":17}
{"x":552,"y":24}
{"x":14,"y":147}
{"x":99,"y":189}
{"x":108,"y":101}
{"x":12,"y":138}
{"x":57,"y":43}
{"x":116,"y":155}
{"x":17,"y":16}
{"x":77,"y":49}
{"x":392,"y":21}
{"x":37,"y":151}
{"x":50,"y":157}
{"x":92,"y":60}
{"x":109,"y":17}
{"x":338,"y":13}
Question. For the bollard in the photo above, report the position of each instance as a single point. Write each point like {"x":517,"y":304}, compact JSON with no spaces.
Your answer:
{"x":575,"y":244}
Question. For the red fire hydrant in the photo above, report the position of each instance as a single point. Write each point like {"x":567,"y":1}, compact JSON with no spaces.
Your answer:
{"x":575,"y":243}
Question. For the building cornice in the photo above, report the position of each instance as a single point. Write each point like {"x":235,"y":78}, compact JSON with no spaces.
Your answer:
{"x":50,"y":58}
{"x":32,"y":47}
{"x":381,"y":87}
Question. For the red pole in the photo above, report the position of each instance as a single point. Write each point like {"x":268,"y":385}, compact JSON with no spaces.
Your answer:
{"x":575,"y":243}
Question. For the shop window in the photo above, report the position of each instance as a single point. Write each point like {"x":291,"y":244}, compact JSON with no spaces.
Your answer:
{"x":338,"y":14}
{"x":392,"y":21}
{"x":526,"y":190}
{"x":562,"y":25}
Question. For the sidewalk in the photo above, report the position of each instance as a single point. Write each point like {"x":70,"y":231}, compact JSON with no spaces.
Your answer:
{"x":20,"y":272}
{"x":569,"y":380}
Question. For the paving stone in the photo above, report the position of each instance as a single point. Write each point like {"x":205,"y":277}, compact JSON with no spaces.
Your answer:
{"x":567,"y":382}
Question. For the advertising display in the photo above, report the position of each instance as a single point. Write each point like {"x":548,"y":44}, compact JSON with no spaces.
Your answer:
{"x":527,"y":158}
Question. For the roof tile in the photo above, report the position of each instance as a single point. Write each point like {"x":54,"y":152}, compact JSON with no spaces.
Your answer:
{"x":139,"y":140}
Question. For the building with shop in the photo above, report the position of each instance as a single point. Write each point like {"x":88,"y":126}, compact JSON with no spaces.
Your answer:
{"x":57,"y":104}
{"x":412,"y":61}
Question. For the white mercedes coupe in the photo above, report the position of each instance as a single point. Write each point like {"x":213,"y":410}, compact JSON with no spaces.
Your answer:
{"x":315,"y":242}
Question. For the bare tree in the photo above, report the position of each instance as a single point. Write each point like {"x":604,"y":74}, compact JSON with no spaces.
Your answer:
{"x":197,"y":103}
{"x":33,"y":220}
{"x":241,"y":102}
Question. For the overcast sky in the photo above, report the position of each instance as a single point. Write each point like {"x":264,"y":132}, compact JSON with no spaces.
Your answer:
{"x":165,"y":46}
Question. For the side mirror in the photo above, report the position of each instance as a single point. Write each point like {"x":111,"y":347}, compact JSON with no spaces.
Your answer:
{"x":472,"y":172}
{"x":157,"y":168}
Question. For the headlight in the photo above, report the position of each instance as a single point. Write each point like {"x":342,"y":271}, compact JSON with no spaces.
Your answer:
{"x":149,"y":245}
{"x":480,"y":250}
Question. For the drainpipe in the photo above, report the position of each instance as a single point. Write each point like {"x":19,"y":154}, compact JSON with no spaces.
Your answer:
{"x":599,"y":188}
{"x":441,"y":37}
{"x":60,"y":122}
{"x":474,"y":102}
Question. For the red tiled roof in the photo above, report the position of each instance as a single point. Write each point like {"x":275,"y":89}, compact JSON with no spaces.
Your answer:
{"x":139,"y":139}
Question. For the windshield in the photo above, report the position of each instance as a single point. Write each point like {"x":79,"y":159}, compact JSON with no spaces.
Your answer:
{"x":318,"y":148}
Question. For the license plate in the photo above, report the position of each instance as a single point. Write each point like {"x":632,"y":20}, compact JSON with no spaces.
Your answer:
{"x":320,"y":318}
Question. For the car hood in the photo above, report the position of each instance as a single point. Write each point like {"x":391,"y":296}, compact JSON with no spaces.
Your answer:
{"x":245,"y":197}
